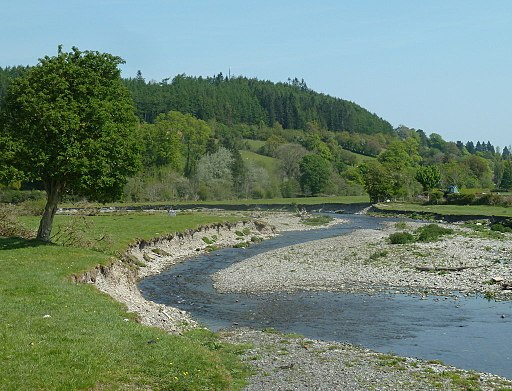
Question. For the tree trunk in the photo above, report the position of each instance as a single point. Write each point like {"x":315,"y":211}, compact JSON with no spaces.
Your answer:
{"x":53,"y":195}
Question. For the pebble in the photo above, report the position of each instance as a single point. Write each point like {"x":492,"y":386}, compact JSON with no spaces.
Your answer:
{"x":289,"y":363}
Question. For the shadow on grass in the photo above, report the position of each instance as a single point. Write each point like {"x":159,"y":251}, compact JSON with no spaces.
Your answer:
{"x":17,"y":243}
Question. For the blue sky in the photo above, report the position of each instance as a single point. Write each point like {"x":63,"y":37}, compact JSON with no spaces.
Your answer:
{"x":444,"y":66}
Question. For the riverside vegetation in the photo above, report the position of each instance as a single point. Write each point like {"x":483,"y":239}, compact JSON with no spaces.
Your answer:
{"x":214,"y":138}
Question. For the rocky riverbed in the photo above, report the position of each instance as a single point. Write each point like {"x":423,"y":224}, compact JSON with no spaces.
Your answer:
{"x":291,"y":362}
{"x":468,"y":261}
{"x":146,"y":258}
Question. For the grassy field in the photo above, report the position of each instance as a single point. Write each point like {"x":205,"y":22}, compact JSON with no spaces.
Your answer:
{"x":57,"y":335}
{"x":270,"y":164}
{"x":121,"y":229}
{"x":471,"y":210}
{"x":359,"y":158}
{"x":241,"y":202}
{"x":254,"y":145}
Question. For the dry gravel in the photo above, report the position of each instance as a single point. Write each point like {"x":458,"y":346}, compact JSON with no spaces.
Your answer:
{"x":289,"y":362}
{"x":365,"y":261}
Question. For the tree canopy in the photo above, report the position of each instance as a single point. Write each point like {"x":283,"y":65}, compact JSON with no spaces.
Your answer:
{"x":429,"y":177}
{"x":315,"y":174}
{"x":69,"y":122}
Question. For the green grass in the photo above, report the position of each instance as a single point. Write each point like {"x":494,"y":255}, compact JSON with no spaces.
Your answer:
{"x":240,"y":202}
{"x":317,"y":220}
{"x":471,"y":210}
{"x":360,"y":158}
{"x":270,"y":164}
{"x":254,"y":145}
{"x":426,"y":233}
{"x":57,"y":335}
{"x":123,"y":229}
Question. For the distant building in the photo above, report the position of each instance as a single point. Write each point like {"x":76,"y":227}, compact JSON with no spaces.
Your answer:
{"x":452,"y":189}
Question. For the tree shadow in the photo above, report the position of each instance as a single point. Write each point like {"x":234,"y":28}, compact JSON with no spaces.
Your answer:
{"x":14,"y":243}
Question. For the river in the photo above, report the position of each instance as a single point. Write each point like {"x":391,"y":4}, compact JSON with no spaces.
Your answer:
{"x":467,"y":332}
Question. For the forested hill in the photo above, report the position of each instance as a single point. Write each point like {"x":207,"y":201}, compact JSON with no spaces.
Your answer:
{"x":239,"y":100}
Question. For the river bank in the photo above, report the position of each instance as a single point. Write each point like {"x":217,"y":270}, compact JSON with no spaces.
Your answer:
{"x":146,"y":258}
{"x":291,"y":362}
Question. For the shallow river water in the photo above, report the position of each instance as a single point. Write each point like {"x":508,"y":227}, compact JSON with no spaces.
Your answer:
{"x":470,"y":333}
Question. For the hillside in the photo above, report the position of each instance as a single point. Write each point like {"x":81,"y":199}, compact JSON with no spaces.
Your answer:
{"x":251,"y":101}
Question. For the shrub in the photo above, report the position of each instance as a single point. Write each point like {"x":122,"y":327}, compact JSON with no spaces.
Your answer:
{"x":76,"y":232}
{"x":241,"y":245}
{"x":32,"y":207}
{"x":401,"y":238}
{"x":378,"y":254}
{"x":436,"y":197}
{"x":208,"y":241}
{"x":9,"y":224}
{"x":460,"y":199}
{"x":401,"y":225}
{"x":160,"y":252}
{"x":257,"y":193}
{"x":500,"y":228}
{"x":317,"y":220}
{"x":290,"y":188}
{"x":10,"y":196}
{"x":490,"y":199}
{"x":432,"y":232}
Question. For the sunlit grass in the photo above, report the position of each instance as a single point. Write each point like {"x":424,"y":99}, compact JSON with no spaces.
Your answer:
{"x":268,"y":163}
{"x":58,"y":335}
{"x":124,"y":228}
{"x":285,"y":202}
{"x":471,"y":210}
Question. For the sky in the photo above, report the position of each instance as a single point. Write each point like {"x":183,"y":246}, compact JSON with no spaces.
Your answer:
{"x":444,"y":66}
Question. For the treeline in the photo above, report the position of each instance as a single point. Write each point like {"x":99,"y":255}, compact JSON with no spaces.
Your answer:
{"x":417,"y":164}
{"x":310,"y":161}
{"x":240,"y":100}
{"x":221,"y":138}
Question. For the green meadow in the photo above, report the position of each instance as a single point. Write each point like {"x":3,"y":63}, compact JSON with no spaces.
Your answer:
{"x":58,"y":335}
{"x":285,"y":202}
{"x":470,"y":210}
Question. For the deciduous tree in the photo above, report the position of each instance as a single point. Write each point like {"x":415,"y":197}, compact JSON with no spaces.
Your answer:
{"x":429,"y":177}
{"x":315,"y":174}
{"x":69,"y":122}
{"x":378,"y":180}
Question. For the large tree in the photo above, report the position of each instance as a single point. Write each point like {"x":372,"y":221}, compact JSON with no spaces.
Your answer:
{"x":378,"y":180}
{"x":506,"y":180}
{"x":192,"y":133}
{"x":315,"y":173}
{"x":429,"y":177}
{"x":69,"y":122}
